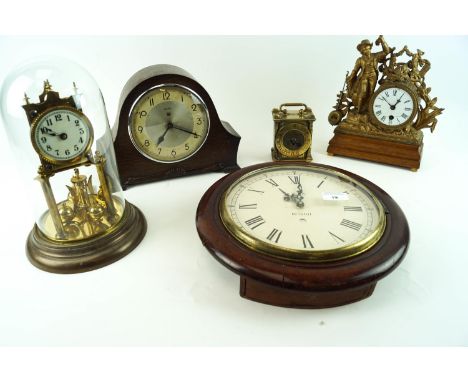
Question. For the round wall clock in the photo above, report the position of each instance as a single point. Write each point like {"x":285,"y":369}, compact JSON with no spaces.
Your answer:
{"x":302,"y":235}
{"x":167,"y":126}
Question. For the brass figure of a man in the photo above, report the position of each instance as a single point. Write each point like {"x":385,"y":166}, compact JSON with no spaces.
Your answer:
{"x":362,"y":80}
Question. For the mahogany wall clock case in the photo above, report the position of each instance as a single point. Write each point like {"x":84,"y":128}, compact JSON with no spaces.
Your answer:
{"x":302,"y":235}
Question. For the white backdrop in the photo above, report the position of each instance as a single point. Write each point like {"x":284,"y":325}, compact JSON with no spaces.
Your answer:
{"x":170,"y":291}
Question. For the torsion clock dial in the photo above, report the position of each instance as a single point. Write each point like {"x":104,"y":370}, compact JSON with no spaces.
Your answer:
{"x":63,"y":134}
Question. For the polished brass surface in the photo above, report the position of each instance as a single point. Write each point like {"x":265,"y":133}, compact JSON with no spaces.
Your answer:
{"x":292,"y":138}
{"x":91,"y":253}
{"x":308,"y":255}
{"x":84,"y":214}
{"x":353,"y":113}
{"x":88,"y":211}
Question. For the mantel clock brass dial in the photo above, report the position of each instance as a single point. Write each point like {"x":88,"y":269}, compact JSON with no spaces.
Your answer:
{"x":169,"y":123}
{"x":302,"y":235}
{"x":167,"y":126}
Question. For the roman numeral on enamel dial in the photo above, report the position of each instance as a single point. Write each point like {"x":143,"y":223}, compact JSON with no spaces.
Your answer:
{"x":393,"y":106}
{"x":287,"y":207}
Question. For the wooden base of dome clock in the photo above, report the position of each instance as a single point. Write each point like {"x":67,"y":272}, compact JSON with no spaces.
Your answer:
{"x":387,"y":152}
{"x":89,"y":254}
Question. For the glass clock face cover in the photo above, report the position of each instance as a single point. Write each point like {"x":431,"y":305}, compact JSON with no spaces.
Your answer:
{"x":62,"y":135}
{"x":169,"y":123}
{"x":302,"y":213}
{"x":393,"y":106}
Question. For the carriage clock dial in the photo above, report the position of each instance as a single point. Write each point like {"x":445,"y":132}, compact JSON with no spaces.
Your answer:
{"x":302,"y":235}
{"x":62,"y":134}
{"x":169,"y":123}
{"x":393,"y":106}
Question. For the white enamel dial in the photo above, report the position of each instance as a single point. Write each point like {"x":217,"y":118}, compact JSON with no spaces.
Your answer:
{"x":62,"y":135}
{"x":393,"y":106}
{"x":299,"y":211}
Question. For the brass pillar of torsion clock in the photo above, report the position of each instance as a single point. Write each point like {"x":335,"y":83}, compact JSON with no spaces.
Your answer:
{"x":384,"y":105}
{"x":86,"y":223}
{"x":292,"y":138}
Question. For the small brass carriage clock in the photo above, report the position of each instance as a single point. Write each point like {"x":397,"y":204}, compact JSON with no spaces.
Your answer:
{"x":87,"y":223}
{"x":384,"y":105}
{"x":292,"y":132}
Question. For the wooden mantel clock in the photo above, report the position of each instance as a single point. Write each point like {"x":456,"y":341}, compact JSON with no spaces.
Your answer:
{"x":302,"y":235}
{"x":167,"y":126}
{"x":383,"y":123}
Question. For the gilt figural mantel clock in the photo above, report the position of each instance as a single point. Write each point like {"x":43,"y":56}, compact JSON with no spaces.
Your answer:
{"x":384,"y":105}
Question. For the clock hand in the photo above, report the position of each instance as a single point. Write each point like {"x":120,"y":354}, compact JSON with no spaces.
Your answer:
{"x":161,"y":138}
{"x":52,"y":133}
{"x":187,"y":131}
{"x":398,"y":101}
{"x":287,"y":197}
{"x":300,"y":195}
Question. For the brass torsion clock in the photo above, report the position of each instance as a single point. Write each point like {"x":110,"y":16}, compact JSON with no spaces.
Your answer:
{"x":91,"y":227}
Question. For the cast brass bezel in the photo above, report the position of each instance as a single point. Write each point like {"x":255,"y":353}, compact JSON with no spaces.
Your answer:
{"x":74,"y":160}
{"x":307,"y":255}
{"x":398,"y":85}
{"x":287,"y":127}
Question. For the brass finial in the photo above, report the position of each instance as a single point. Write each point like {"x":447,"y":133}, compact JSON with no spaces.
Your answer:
{"x":47,"y":86}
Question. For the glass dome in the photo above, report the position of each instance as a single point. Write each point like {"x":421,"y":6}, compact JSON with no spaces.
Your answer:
{"x":55,"y":119}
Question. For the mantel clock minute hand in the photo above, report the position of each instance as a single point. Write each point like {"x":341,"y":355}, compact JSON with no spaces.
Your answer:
{"x":184,"y":130}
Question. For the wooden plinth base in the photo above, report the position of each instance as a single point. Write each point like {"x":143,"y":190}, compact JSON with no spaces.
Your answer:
{"x":377,"y":150}
{"x":296,"y":298}
{"x":89,"y":254}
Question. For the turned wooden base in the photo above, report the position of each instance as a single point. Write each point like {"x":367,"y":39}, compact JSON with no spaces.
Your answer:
{"x":377,"y":150}
{"x":86,"y":255}
{"x":297,"y":298}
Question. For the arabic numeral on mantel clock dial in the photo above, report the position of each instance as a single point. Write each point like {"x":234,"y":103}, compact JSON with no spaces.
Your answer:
{"x":302,"y":211}
{"x":169,"y":123}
